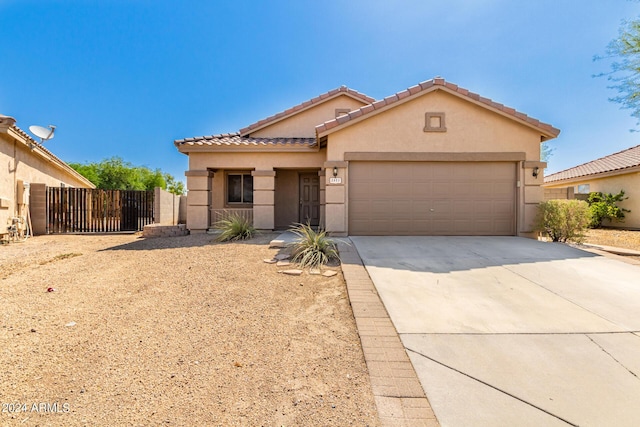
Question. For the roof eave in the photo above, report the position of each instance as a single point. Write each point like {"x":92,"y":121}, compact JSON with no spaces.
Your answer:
{"x":206,"y":148}
{"x":269,"y":121}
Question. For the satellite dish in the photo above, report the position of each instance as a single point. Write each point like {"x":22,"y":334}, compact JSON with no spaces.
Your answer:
{"x":43,"y":133}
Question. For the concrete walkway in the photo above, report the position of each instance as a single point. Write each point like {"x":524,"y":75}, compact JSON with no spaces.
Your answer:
{"x":508,"y":331}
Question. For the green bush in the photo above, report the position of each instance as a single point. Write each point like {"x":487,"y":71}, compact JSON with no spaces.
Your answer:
{"x":604,"y":206}
{"x":312,"y":248}
{"x":564,"y":220}
{"x":234,"y":227}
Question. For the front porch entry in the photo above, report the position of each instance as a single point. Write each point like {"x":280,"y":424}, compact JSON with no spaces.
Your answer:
{"x":296,"y":198}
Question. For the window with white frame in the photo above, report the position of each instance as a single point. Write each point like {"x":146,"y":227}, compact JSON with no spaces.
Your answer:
{"x":239,"y":188}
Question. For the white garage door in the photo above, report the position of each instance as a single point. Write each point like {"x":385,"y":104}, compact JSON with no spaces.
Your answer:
{"x":432,"y":198}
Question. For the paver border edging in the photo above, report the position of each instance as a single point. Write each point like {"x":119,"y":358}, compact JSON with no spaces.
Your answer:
{"x":399,"y":396}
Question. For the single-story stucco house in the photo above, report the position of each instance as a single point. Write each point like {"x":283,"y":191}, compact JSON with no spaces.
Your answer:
{"x":609,"y":174}
{"x":434,"y":159}
{"x":25,"y":163}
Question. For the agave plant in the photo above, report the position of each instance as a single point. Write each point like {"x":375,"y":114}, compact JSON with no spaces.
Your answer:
{"x":312,"y":248}
{"x":234,"y":227}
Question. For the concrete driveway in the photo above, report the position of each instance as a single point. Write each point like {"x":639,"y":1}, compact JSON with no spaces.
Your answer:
{"x":507,"y":331}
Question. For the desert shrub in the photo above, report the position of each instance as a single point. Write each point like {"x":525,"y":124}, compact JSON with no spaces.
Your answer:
{"x":234,"y":227}
{"x":312,"y":248}
{"x":604,"y":206}
{"x":564,"y":220}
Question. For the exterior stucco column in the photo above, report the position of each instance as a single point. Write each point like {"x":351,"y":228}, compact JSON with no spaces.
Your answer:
{"x":336,"y":198}
{"x":533,"y":194}
{"x":198,"y":199}
{"x":263,"y":199}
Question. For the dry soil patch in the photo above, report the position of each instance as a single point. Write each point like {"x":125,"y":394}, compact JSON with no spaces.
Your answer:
{"x":174,"y":331}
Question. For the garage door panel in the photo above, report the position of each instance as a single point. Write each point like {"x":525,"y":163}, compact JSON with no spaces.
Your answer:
{"x":400,"y":190}
{"x":432,"y":198}
{"x":442,"y":190}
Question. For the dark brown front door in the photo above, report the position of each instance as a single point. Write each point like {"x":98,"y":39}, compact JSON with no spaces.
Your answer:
{"x":310,"y":198}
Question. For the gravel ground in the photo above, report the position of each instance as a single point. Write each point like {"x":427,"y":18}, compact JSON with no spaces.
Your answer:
{"x":617,"y":238}
{"x":173,"y":331}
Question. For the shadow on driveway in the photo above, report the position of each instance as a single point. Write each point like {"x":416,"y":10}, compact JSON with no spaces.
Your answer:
{"x":445,"y":254}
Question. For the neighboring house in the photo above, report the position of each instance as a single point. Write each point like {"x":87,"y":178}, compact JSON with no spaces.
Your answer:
{"x":434,"y":159}
{"x":609,"y":174}
{"x":24,"y":164}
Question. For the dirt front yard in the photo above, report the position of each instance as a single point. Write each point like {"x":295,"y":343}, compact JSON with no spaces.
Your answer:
{"x":612,"y":237}
{"x":173,"y":331}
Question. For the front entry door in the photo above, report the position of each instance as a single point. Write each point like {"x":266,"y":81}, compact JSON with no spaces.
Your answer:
{"x":310,"y":199}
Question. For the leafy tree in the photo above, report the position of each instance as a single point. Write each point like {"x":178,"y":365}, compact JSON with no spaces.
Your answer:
{"x":546,"y":152}
{"x":173,"y":186}
{"x":624,"y":51}
{"x":116,"y":174}
{"x":604,"y":206}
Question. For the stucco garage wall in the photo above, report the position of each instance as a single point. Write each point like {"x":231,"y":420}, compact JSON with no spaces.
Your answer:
{"x":630,"y":183}
{"x":471,"y":131}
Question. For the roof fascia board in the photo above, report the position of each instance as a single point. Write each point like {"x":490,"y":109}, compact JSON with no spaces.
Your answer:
{"x":248,"y":131}
{"x":546,"y":135}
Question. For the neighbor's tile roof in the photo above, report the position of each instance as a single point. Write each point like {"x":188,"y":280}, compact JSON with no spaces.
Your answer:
{"x":625,"y":159}
{"x":546,"y":129}
{"x":235,"y":139}
{"x":313,"y":101}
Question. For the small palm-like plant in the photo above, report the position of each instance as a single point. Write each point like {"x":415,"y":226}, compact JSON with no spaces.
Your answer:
{"x":234,"y":227}
{"x":312,"y":248}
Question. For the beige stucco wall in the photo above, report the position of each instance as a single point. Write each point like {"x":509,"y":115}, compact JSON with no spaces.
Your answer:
{"x":630,"y":183}
{"x":303,"y":124}
{"x":469,"y":129}
{"x":19,"y":163}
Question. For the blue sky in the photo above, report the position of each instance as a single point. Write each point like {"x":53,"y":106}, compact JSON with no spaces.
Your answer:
{"x":128,"y":77}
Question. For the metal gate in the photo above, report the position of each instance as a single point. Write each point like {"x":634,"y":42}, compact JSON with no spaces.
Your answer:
{"x":86,"y":210}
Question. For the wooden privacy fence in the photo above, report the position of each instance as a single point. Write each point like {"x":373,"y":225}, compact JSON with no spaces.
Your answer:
{"x":86,"y":210}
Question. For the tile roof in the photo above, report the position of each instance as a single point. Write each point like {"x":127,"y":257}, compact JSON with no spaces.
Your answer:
{"x":619,"y":161}
{"x":303,"y":106}
{"x":430,"y":85}
{"x":235,"y":139}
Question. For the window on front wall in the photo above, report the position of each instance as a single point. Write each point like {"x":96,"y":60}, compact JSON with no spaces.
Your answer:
{"x":239,"y":188}
{"x":583,"y":189}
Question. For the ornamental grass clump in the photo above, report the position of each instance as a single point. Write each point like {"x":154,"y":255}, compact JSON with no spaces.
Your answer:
{"x":312,"y":248}
{"x":234,"y":227}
